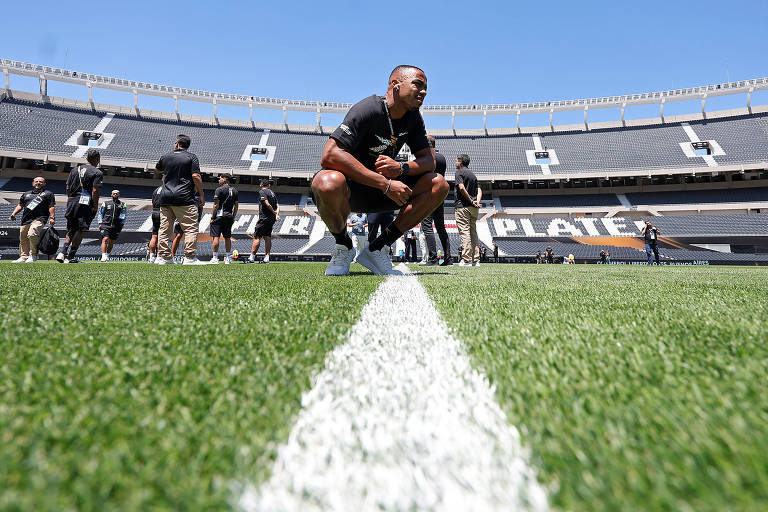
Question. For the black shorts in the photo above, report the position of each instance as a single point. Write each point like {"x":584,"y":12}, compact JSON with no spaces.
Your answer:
{"x":264,"y":227}
{"x":79,"y":216}
{"x":110,"y":232}
{"x":155,"y":222}
{"x":365,"y":199}
{"x":222,"y":226}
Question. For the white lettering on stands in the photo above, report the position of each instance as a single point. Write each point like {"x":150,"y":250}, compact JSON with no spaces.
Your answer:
{"x":561,"y":227}
{"x":295,"y":225}
{"x":241,"y":221}
{"x":528,"y":228}
{"x":504,"y":227}
{"x":589,"y":225}
{"x":615,"y":225}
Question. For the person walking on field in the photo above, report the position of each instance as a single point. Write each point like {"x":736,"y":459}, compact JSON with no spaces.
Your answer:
{"x":269,"y":213}
{"x":225,"y":205}
{"x":37,"y":207}
{"x":651,"y":234}
{"x":181,"y":179}
{"x":83,"y":189}
{"x":468,"y":197}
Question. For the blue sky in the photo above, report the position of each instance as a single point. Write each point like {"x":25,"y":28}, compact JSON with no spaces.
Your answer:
{"x":473,"y":52}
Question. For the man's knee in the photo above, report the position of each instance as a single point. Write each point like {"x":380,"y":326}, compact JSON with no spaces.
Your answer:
{"x":329,"y":182}
{"x":440,"y":186}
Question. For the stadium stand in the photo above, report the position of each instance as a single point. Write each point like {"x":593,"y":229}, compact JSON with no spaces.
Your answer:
{"x":32,"y":126}
{"x":736,"y":195}
{"x":533,"y":201}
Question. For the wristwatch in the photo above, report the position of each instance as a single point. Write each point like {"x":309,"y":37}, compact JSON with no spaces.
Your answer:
{"x":404,"y":169}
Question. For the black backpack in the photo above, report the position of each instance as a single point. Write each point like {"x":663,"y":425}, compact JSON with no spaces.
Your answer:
{"x":49,"y":240}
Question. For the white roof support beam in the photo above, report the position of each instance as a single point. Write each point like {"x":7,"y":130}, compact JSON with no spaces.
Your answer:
{"x":517,"y":122}
{"x":136,"y":100}
{"x":485,"y":121}
{"x":43,"y":86}
{"x":749,"y":99}
{"x":215,"y":109}
{"x":623,"y":108}
{"x":250,"y":109}
{"x":90,"y":93}
{"x":176,"y":104}
{"x":586,"y":125}
{"x":453,"y":122}
{"x":704,"y":106}
{"x":319,"y":119}
{"x":285,"y":116}
{"x":661,"y":110}
{"x":551,"y":116}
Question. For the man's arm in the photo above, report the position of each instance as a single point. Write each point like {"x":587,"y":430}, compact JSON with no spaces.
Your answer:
{"x":424,"y":162}
{"x":463,"y":191}
{"x":18,"y":208}
{"x":95,"y":196}
{"x":642,"y":231}
{"x":658,"y":231}
{"x":234,"y":210}
{"x":479,"y":195}
{"x":215,"y":208}
{"x":52,"y":215}
{"x":276,"y":212}
{"x":337,"y":157}
{"x":198,"y":181}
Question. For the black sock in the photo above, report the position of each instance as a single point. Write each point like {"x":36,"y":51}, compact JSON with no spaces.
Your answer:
{"x":343,"y":239}
{"x":387,"y":237}
{"x":72,"y":251}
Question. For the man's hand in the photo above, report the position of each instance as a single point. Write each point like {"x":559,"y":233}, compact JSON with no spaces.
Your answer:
{"x":51,"y":221}
{"x":387,"y":167}
{"x":399,"y":192}
{"x":201,"y":201}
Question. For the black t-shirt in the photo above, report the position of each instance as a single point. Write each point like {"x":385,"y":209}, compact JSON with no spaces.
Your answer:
{"x":177,"y":168}
{"x":467,"y":178}
{"x":366,"y":134}
{"x":156,"y":198}
{"x":36,"y":206}
{"x":267,"y":196}
{"x":226,"y":195}
{"x":440,"y":164}
{"x":651,"y":237}
{"x":83,"y":178}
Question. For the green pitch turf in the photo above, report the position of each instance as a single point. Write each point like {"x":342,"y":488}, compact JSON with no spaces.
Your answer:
{"x":637,"y":388}
{"x":135,"y":387}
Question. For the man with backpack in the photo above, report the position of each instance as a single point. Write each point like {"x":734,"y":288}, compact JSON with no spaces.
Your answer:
{"x":37,"y":207}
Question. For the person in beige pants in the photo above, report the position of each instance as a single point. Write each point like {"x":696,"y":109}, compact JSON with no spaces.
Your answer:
{"x":37,"y":207}
{"x":468,"y":197}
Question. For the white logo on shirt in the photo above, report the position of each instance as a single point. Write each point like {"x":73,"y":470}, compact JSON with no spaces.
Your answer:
{"x":345,"y":129}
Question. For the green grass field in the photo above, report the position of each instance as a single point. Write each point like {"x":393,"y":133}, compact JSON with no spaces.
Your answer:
{"x":135,"y":387}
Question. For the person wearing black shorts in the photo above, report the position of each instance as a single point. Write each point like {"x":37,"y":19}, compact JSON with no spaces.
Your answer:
{"x":112,"y":215}
{"x":269,"y":213}
{"x":225,"y":205}
{"x":360,"y":172}
{"x":83,"y":188}
{"x":155,"y":224}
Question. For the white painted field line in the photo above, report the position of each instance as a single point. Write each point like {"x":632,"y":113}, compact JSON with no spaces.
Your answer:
{"x":399,"y":420}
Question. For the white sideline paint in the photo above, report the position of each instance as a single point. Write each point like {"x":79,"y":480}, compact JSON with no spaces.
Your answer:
{"x":399,"y":420}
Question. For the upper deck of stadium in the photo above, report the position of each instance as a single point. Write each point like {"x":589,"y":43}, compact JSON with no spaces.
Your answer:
{"x":38,"y":126}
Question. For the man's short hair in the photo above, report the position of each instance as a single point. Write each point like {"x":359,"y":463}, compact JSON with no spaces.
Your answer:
{"x":403,"y":67}
{"x":93,"y":156}
{"x":183,"y":141}
{"x":226,"y":176}
{"x":264,"y":182}
{"x":464,"y":159}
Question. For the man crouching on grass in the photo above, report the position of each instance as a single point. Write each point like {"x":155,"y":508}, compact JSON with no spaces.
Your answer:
{"x":360,"y":172}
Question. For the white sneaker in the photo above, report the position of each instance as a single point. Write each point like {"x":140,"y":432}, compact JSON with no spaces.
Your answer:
{"x":463,"y":263}
{"x":475,"y":263}
{"x":152,"y":258}
{"x":214,"y":260}
{"x":32,"y":258}
{"x":377,"y":262}
{"x":227,"y":260}
{"x":162,"y":261}
{"x":19,"y":260}
{"x":340,"y":261}
{"x":193,"y":261}
{"x":104,"y":258}
{"x":60,"y":257}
